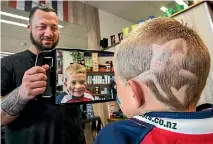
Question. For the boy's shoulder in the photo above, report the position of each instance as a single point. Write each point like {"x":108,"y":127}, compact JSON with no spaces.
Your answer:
{"x":89,"y":95}
{"x":60,"y":97}
{"x":123,"y":132}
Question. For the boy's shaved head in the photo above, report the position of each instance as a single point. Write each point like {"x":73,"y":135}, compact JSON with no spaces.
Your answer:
{"x":170,"y":58}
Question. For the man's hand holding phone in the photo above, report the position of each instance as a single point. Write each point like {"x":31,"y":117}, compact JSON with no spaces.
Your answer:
{"x":34,"y":82}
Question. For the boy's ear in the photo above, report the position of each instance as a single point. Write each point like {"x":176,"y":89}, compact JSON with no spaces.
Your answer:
{"x":138,"y":92}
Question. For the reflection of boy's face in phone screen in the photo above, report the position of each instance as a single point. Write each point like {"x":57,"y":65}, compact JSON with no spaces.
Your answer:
{"x":76,"y":84}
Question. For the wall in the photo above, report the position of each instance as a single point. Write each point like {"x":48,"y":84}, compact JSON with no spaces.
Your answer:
{"x":82,"y":14}
{"x":111,"y":25}
{"x":81,"y":31}
{"x":16,"y":38}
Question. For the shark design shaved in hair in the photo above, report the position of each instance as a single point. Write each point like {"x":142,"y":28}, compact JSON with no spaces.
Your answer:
{"x":170,"y":55}
{"x":169,"y":58}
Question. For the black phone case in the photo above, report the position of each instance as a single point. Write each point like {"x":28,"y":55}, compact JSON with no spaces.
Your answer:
{"x":47,"y":57}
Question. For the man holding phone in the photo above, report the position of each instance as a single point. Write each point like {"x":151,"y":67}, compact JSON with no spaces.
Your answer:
{"x":27,"y":120}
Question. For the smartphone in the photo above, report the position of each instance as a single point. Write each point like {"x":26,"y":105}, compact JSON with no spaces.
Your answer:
{"x":47,"y":57}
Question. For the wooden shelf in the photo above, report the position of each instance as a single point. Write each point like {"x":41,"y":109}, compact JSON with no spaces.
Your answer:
{"x":97,"y":84}
{"x":101,"y":94}
{"x":184,"y":10}
{"x":110,"y":46}
{"x":94,"y":72}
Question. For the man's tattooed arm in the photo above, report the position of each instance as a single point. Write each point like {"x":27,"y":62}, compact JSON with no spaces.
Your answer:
{"x":13,"y":104}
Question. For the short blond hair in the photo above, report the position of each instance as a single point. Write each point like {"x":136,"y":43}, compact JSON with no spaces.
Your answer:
{"x":186,"y":71}
{"x":74,"y":69}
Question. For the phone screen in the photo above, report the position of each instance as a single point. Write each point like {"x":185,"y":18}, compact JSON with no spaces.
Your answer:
{"x":84,"y":76}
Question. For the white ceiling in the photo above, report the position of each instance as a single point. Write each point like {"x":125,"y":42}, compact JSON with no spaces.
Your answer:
{"x":131,"y":10}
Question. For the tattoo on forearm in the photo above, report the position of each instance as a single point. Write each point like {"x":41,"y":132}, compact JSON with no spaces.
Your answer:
{"x":13,"y":104}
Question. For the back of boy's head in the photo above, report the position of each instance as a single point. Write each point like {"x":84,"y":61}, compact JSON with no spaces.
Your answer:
{"x":169,"y":58}
{"x":74,"y":69}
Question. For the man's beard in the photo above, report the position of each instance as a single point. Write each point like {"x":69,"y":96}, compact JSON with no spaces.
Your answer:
{"x":40,"y":46}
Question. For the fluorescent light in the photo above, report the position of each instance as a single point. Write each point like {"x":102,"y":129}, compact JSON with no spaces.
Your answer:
{"x":19,"y":17}
{"x":13,"y":23}
{"x":6,"y":53}
{"x":164,"y":9}
{"x":60,"y":26}
{"x":14,"y":16}
{"x":181,"y":2}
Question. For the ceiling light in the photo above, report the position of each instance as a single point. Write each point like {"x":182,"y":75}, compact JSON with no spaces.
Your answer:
{"x":164,"y":9}
{"x":6,"y":53}
{"x":19,"y":17}
{"x":181,"y":2}
{"x":13,"y":15}
{"x":60,"y":26}
{"x":13,"y":23}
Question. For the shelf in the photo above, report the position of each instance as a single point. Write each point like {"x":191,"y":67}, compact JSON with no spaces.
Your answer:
{"x":100,"y":54}
{"x":101,"y":94}
{"x":94,"y":72}
{"x":110,"y":46}
{"x":189,"y":8}
{"x":98,"y":84}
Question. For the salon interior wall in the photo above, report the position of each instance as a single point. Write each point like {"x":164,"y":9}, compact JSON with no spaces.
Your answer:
{"x":82,"y":30}
{"x":111,"y":25}
{"x":200,"y":19}
{"x":85,"y":15}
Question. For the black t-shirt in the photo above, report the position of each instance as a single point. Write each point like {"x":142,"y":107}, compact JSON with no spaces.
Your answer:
{"x":39,"y":122}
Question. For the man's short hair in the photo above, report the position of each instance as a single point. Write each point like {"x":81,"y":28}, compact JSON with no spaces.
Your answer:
{"x":42,"y":7}
{"x":74,"y":69}
{"x":170,"y":58}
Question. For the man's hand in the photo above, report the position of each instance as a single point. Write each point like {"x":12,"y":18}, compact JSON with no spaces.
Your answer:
{"x":33,"y":82}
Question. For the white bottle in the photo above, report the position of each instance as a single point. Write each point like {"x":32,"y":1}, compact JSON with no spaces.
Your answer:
{"x":95,"y":79}
{"x":99,"y":77}
{"x":105,"y":79}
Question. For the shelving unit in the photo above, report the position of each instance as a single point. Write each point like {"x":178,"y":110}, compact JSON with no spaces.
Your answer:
{"x":101,"y":95}
{"x":100,"y":72}
{"x":110,"y":46}
{"x":99,"y":84}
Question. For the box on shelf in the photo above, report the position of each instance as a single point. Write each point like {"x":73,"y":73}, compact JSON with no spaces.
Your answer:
{"x":95,"y":65}
{"x":94,"y":56}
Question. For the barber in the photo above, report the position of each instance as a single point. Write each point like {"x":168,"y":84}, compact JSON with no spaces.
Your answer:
{"x":27,"y":120}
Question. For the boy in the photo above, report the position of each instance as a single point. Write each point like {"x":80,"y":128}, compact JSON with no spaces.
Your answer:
{"x":160,"y":71}
{"x":75,"y":85}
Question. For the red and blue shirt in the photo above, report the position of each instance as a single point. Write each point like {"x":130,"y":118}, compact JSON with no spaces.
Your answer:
{"x":161,"y":128}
